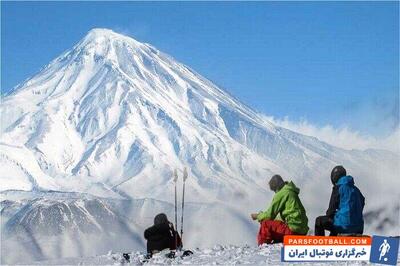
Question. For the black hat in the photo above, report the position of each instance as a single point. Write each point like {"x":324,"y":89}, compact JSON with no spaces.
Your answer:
{"x":276,"y":183}
{"x":160,"y":218}
{"x":337,"y":173}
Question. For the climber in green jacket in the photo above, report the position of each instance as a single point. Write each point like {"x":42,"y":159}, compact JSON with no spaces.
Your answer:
{"x":287,"y":204}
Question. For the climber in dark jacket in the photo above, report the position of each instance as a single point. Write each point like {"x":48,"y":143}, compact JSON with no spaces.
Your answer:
{"x":344,"y":214}
{"x":161,"y":235}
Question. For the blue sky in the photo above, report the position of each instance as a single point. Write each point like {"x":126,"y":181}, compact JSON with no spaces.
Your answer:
{"x":331,"y":63}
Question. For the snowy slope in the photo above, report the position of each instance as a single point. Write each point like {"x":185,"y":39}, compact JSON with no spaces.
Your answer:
{"x":217,"y":255}
{"x":112,"y":117}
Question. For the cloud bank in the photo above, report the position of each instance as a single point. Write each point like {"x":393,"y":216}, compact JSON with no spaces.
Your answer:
{"x":342,"y":137}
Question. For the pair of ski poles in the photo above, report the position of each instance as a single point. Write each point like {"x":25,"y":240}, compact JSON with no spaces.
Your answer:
{"x":185,"y":175}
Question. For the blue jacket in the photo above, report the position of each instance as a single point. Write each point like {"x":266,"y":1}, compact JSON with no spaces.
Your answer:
{"x":348,"y":217}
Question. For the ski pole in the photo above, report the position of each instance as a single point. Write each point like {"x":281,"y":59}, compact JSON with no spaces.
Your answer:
{"x":176,"y":208}
{"x":185,"y":175}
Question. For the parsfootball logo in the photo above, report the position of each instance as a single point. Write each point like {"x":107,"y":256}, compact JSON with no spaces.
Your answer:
{"x":320,"y":248}
{"x":384,"y":250}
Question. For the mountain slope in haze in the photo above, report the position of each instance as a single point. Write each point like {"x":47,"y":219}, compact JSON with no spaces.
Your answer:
{"x":54,"y":225}
{"x":112,"y":117}
{"x":62,"y":225}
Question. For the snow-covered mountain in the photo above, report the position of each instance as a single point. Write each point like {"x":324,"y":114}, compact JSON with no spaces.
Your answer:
{"x":112,"y":117}
{"x":66,"y":224}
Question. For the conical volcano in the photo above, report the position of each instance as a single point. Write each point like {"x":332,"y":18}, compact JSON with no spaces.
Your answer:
{"x":114,"y":117}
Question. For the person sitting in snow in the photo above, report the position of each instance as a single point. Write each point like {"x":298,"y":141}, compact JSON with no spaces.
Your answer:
{"x":344,"y":214}
{"x":161,"y":235}
{"x":287,"y":204}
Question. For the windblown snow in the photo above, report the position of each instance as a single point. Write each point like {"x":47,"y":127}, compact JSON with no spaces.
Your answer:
{"x":93,"y":138}
{"x":216,"y":255}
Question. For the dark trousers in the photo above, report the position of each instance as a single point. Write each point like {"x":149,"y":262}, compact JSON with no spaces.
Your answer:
{"x":323,"y":223}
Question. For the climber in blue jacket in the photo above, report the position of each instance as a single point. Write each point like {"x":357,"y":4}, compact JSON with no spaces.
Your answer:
{"x":346,"y":205}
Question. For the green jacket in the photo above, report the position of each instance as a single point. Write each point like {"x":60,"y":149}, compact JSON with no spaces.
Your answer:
{"x":287,"y":204}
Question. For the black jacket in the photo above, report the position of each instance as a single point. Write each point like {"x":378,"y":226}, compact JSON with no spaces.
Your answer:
{"x":161,"y":236}
{"x":333,"y":202}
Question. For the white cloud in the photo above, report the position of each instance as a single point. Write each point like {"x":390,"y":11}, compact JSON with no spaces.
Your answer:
{"x":341,"y":137}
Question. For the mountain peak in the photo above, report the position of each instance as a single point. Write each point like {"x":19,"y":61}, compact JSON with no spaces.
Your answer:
{"x":99,"y":34}
{"x":102,"y":32}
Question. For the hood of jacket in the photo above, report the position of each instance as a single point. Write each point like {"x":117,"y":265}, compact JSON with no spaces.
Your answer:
{"x":161,"y":218}
{"x":290,"y":186}
{"x":345,"y":180}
